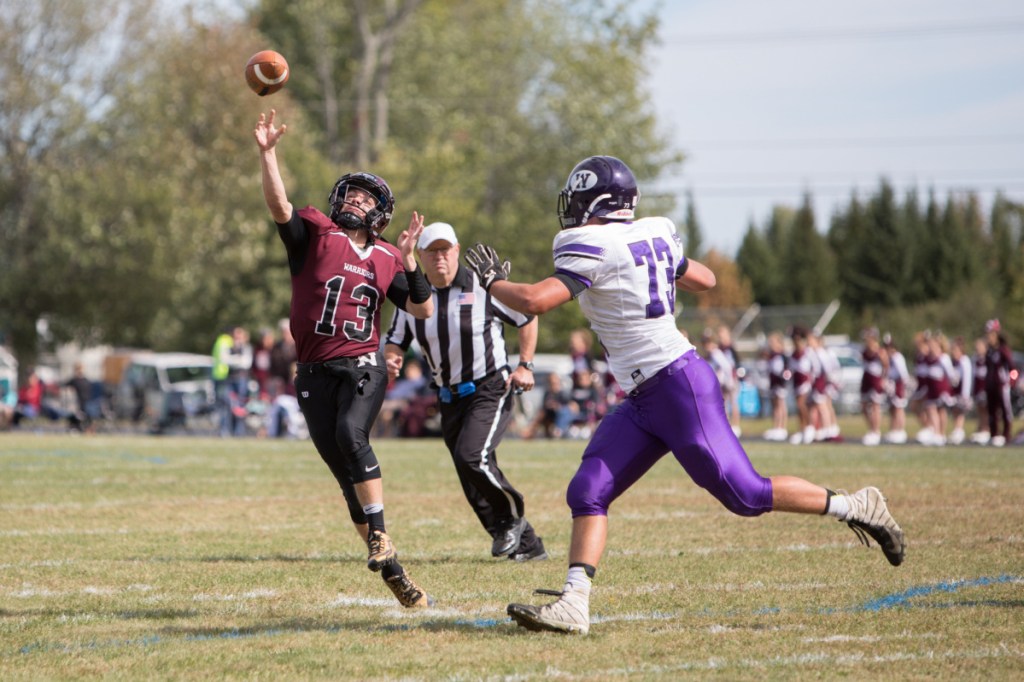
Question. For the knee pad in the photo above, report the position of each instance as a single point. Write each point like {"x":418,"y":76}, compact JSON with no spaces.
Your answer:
{"x":588,"y":494}
{"x":365,"y":466}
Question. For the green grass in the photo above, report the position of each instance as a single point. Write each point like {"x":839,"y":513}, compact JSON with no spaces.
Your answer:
{"x":188,"y":558}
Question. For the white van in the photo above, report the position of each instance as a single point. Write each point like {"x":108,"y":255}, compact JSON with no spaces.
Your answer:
{"x":165,"y":390}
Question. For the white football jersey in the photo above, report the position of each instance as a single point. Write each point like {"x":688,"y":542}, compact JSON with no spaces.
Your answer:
{"x":629,"y":269}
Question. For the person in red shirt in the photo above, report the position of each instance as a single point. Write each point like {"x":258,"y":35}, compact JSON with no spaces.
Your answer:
{"x":341,"y":270}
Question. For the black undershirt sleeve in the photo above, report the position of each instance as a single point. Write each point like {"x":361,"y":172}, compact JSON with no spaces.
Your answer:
{"x":398,"y":292}
{"x":295,"y":236}
{"x":574,"y":286}
{"x":419,"y":290}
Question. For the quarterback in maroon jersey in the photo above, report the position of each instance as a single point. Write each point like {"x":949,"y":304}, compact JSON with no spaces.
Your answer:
{"x":341,"y":271}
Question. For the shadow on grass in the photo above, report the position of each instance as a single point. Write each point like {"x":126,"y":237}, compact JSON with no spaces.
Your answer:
{"x":332,"y":559}
{"x":307,"y":626}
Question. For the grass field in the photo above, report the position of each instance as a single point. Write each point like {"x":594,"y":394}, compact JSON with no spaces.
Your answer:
{"x":188,"y":558}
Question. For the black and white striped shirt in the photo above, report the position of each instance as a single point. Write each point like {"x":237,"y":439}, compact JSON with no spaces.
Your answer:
{"x":464,"y":340}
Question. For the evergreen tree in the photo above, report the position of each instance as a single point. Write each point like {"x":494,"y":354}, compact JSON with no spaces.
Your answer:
{"x":808,"y":263}
{"x":760,"y":265}
{"x":928,"y":270}
{"x":694,"y":240}
{"x":846,"y":238}
{"x":878,"y":255}
{"x":911,"y":241}
{"x":1004,"y":260}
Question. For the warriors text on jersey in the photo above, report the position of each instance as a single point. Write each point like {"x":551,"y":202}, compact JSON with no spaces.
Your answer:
{"x":338,"y":289}
{"x":629,"y":271}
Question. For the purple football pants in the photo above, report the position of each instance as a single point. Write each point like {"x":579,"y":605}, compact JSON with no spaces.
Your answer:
{"x":680,"y":409}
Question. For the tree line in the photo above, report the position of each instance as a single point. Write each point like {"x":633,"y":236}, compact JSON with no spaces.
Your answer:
{"x":902,"y":264}
{"x":130,"y":203}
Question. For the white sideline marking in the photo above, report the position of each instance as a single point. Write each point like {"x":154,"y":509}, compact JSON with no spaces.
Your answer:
{"x":871,"y":638}
{"x":251,"y":594}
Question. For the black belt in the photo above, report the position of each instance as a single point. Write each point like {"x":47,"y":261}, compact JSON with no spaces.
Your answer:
{"x":454,"y":392}
{"x":331,"y":366}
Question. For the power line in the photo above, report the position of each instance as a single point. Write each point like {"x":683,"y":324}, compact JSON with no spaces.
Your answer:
{"x":1010,"y":25}
{"x":830,"y":190}
{"x":859,"y":142}
{"x":809,"y":176}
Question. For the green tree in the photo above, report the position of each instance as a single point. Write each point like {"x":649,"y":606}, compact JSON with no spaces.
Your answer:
{"x":61,"y":62}
{"x":760,"y":265}
{"x":694,"y":237}
{"x":808,"y":262}
{"x":1006,"y":238}
{"x":910,"y":240}
{"x":845,"y":236}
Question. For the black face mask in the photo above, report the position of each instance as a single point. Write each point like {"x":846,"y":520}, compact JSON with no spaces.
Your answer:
{"x":350,"y":221}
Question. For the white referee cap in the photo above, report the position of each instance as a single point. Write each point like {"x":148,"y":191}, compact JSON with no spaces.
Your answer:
{"x":434,"y":231}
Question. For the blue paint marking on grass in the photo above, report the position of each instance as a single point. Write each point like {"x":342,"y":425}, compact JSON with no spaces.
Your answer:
{"x":903,"y":599}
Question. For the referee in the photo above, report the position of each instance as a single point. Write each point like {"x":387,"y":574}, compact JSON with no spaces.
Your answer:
{"x":464,"y":345}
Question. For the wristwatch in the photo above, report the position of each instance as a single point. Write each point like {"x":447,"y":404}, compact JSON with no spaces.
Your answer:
{"x":527,"y":365}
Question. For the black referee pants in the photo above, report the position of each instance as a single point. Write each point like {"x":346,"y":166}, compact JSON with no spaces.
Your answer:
{"x":473,"y":426}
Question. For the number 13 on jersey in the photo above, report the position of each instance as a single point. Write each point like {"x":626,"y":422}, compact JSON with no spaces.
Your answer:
{"x":656,"y":255}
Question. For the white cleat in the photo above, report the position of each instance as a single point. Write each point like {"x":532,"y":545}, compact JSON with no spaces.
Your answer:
{"x":998,"y":441}
{"x":980,"y":437}
{"x":777,"y":435}
{"x":957,"y":437}
{"x":869,"y":517}
{"x":871,"y":438}
{"x":570,"y":614}
{"x":925,"y":436}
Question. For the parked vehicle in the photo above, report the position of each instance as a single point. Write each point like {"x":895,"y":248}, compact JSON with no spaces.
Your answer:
{"x":166,"y":390}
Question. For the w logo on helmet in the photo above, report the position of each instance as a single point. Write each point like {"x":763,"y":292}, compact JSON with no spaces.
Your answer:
{"x":581,"y":181}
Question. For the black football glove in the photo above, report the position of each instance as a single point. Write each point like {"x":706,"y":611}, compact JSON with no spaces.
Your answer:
{"x":484,"y":261}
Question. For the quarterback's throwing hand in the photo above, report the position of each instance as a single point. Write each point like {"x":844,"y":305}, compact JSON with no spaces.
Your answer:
{"x":484,"y":261}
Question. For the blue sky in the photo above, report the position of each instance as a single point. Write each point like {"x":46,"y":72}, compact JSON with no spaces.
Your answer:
{"x":772,"y":99}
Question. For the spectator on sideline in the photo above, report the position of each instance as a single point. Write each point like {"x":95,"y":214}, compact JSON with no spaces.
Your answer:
{"x":962,"y":381}
{"x":1000,"y":373}
{"x":939,"y":393}
{"x":282,"y":360}
{"x":802,"y":367}
{"x":555,"y":416}
{"x":896,"y":392}
{"x":919,"y":399}
{"x":824,"y":388}
{"x":981,"y":434}
{"x":872,"y":385}
{"x":731,"y":391}
{"x":778,"y":388}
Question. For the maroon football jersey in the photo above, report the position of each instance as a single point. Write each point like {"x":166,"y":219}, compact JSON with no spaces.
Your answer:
{"x":338,"y":294}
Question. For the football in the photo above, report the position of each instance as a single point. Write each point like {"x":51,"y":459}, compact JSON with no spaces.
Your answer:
{"x":266,"y":72}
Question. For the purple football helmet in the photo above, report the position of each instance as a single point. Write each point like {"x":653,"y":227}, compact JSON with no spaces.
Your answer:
{"x":599,"y":186}
{"x":377,"y":218}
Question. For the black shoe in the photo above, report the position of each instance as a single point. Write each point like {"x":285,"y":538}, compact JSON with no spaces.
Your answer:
{"x":537,"y":553}
{"x":508,"y":537}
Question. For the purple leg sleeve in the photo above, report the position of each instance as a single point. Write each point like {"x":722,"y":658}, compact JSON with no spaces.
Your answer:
{"x":680,"y":409}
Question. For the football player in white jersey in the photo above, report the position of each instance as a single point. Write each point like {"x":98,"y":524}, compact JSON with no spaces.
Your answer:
{"x":624,"y":272}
